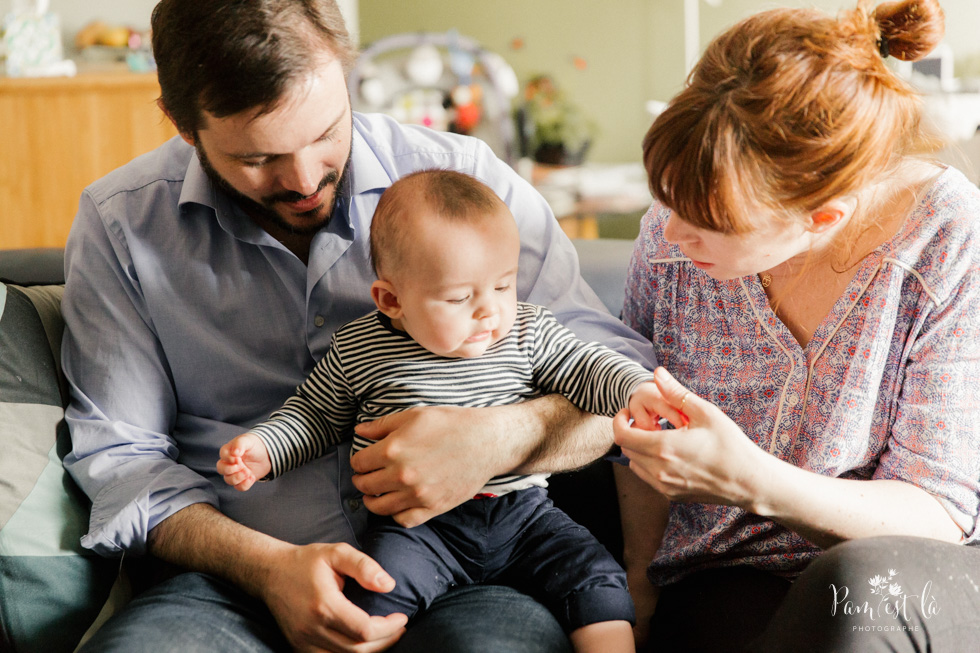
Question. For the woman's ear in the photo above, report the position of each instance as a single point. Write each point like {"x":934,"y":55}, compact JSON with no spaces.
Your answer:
{"x":386,"y":299}
{"x":829,"y":215}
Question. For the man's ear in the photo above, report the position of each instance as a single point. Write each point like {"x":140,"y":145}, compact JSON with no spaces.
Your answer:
{"x":386,"y":299}
{"x":187,"y":136}
{"x":829,"y":215}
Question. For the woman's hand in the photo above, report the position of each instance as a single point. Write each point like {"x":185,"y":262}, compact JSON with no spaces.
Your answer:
{"x":710,"y":460}
{"x":706,"y":458}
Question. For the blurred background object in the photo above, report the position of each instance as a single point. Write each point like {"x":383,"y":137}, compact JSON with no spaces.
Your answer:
{"x":32,"y":41}
{"x":442,"y":80}
{"x":551,"y":128}
{"x":100,"y":42}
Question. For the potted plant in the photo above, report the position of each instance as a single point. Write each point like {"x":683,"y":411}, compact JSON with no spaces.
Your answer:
{"x":551,"y":129}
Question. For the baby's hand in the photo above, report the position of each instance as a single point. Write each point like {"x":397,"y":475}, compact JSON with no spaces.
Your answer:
{"x":243,"y":461}
{"x":647,"y":406}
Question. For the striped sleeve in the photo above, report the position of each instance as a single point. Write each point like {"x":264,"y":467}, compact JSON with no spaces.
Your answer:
{"x":594,"y":378}
{"x":316,"y":418}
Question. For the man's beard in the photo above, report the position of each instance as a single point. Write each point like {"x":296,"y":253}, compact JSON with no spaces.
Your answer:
{"x":264,"y":211}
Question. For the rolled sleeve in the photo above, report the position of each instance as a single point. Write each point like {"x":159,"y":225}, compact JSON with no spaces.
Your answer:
{"x":935,"y":438}
{"x":123,"y":406}
{"x":125,"y":512}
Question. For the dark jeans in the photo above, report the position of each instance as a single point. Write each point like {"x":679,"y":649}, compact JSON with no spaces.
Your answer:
{"x":877,"y":594}
{"x":197,"y":613}
{"x":520,"y":540}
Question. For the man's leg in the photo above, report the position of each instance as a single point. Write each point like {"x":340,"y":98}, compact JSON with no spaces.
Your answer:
{"x":481,"y":618}
{"x":882,"y":594}
{"x":190,"y":613}
{"x":195,"y":613}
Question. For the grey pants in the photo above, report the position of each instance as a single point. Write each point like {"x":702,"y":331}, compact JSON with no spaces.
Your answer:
{"x":869,"y":595}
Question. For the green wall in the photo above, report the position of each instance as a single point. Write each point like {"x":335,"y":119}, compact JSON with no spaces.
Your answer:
{"x":633,"y":49}
{"x":616,"y":38}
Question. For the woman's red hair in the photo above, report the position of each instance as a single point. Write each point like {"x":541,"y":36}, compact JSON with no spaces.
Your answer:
{"x":788,"y":109}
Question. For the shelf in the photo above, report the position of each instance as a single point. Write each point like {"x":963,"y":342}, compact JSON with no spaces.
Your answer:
{"x":60,"y":135}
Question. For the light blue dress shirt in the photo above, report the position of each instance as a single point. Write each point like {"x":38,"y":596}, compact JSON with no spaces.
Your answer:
{"x":187,"y":324}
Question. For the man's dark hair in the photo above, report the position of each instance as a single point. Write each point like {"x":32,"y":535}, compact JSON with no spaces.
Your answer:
{"x":229,"y":56}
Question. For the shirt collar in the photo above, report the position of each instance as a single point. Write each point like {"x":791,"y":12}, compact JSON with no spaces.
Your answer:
{"x":367,"y":173}
{"x":198,"y":190}
{"x":197,"y":187}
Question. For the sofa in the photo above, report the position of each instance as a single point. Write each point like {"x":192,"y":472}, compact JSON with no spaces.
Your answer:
{"x":53,"y":592}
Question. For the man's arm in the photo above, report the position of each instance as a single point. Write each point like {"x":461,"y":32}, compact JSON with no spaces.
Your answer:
{"x":302,"y":585}
{"x":418,"y":471}
{"x":122,"y":417}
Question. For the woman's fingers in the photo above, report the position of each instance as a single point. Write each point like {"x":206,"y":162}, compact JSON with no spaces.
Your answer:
{"x":684,"y":402}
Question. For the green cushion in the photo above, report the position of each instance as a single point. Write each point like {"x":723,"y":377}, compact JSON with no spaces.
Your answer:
{"x":51,"y":590}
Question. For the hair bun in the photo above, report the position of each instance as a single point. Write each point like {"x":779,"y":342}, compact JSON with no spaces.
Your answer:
{"x":909,"y":29}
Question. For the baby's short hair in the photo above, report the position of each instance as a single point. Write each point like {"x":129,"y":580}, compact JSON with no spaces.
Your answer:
{"x":446,"y":194}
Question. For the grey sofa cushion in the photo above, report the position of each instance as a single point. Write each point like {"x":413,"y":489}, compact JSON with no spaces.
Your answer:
{"x":604,"y":263}
{"x":51,"y":590}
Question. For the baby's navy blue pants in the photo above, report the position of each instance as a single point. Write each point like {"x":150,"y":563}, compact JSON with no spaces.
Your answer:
{"x":519,"y":539}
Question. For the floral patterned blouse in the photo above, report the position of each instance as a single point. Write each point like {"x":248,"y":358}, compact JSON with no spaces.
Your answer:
{"x":887,"y":388}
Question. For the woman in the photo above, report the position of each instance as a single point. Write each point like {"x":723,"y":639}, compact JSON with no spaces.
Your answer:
{"x":811,"y":283}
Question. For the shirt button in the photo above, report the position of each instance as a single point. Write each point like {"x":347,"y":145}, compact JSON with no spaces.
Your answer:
{"x":318,"y":321}
{"x":354,"y":504}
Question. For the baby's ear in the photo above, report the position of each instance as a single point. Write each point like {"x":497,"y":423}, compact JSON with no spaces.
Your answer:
{"x":386,"y":299}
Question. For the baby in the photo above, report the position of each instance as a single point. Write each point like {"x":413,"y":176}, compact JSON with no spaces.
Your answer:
{"x":450,"y":331}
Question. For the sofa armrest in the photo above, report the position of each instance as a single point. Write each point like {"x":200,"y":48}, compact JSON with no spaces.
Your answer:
{"x":40,"y":266}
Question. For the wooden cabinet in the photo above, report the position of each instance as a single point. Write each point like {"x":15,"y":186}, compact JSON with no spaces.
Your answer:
{"x":59,"y":135}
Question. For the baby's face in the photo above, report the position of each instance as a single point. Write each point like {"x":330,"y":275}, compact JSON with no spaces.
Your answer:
{"x":457,"y":286}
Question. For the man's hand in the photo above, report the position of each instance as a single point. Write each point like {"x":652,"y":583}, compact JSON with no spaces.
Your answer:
{"x":302,"y":585}
{"x":427,"y":461}
{"x":304,"y":592}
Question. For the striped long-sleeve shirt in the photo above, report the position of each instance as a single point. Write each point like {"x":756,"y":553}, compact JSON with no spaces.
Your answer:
{"x":373,"y":369}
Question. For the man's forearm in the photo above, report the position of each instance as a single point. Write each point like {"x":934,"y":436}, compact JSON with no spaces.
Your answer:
{"x":201,"y":538}
{"x":553,"y":435}
{"x":428,"y":460}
